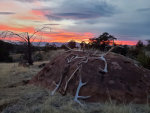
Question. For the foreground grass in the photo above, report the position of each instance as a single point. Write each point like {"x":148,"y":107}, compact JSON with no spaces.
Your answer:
{"x":41,"y":102}
{"x":16,"y":97}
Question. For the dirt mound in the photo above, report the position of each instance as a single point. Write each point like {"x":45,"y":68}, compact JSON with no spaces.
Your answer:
{"x":95,"y":77}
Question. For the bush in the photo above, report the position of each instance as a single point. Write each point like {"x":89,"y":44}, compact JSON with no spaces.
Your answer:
{"x":144,"y":60}
{"x":38,"y":57}
{"x":133,"y":52}
{"x":71,"y":44}
{"x":121,"y":50}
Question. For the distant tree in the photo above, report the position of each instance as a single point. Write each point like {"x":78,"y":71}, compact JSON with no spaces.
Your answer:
{"x":148,"y":45}
{"x":63,"y":46}
{"x":123,"y":50}
{"x":24,"y":38}
{"x":148,"y":41}
{"x":47,"y":47}
{"x":71,"y":44}
{"x":102,"y":41}
{"x":139,"y":44}
{"x":54,"y":45}
{"x":82,"y":45}
{"x":144,"y":59}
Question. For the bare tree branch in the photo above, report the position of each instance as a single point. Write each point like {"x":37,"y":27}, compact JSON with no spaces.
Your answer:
{"x":38,"y":31}
{"x":71,"y":77}
{"x":10,"y":33}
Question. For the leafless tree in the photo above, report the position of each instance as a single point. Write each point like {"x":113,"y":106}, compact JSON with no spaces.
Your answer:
{"x":23,"y":37}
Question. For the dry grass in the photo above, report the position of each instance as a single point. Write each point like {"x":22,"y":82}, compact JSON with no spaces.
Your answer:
{"x":23,"y":98}
{"x":65,"y":104}
{"x":12,"y":86}
{"x":44,"y":55}
{"x":147,"y":53}
{"x":16,"y":57}
{"x":51,"y":54}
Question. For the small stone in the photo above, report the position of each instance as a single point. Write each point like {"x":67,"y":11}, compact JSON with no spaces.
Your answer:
{"x":145,"y":76}
{"x":116,"y":66}
{"x":111,"y":82}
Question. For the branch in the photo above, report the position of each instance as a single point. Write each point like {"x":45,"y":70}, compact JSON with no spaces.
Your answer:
{"x":71,"y":77}
{"x":74,"y":58}
{"x":70,"y":60}
{"x":10,"y":33}
{"x":108,"y":51}
{"x":72,"y":49}
{"x":37,"y":31}
{"x":84,"y":60}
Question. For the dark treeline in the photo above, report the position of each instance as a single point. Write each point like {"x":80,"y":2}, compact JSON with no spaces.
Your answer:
{"x":103,"y":43}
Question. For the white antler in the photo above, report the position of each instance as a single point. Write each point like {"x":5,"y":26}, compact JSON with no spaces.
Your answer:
{"x":77,"y":92}
{"x":57,"y":86}
{"x":74,"y":58}
{"x":72,"y":49}
{"x":84,"y":60}
{"x":70,"y":60}
{"x":103,"y":58}
{"x":105,"y":68}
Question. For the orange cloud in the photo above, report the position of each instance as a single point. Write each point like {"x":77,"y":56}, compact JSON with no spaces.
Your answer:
{"x":125,"y":42}
{"x":37,"y":12}
{"x":61,"y":36}
{"x":66,"y":36}
{"x":17,"y":29}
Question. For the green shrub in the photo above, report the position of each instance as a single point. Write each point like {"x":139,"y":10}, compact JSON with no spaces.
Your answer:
{"x":121,"y":50}
{"x":144,"y":60}
{"x":38,"y":57}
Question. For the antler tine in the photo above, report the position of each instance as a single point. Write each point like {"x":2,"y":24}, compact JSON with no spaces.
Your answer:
{"x":57,"y":86}
{"x":81,"y":84}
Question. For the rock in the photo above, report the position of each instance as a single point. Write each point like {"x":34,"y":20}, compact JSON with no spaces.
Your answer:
{"x":42,"y":65}
{"x":115,"y":65}
{"x":125,"y":82}
{"x":23,"y":64}
{"x":111,"y":82}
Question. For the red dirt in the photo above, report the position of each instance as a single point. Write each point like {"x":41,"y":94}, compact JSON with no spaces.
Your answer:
{"x":124,"y":81}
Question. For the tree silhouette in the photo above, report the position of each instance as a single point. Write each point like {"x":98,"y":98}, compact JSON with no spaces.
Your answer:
{"x":102,"y":41}
{"x":71,"y":44}
{"x":148,"y":44}
{"x":82,"y":45}
{"x":139,"y":44}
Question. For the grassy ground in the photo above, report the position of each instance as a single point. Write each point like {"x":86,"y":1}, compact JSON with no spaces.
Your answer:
{"x":42,"y":54}
{"x":148,"y":53}
{"x":16,"y":96}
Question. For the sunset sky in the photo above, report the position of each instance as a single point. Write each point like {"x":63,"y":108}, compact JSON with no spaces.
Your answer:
{"x":127,"y":20}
